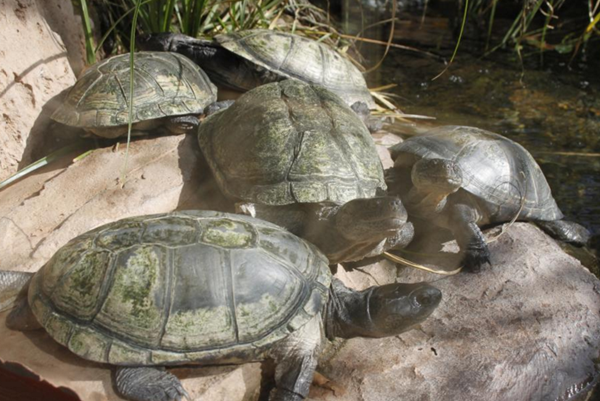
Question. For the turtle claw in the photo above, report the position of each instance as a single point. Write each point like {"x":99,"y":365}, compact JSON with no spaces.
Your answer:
{"x":149,"y":384}
{"x":476,"y":258}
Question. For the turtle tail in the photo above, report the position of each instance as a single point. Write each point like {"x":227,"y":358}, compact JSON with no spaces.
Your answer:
{"x":566,"y":231}
{"x":13,"y":286}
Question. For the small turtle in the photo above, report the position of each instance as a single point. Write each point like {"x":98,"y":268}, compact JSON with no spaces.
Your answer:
{"x":246,"y":59}
{"x":169,"y":93}
{"x":296,"y":155}
{"x":202,"y":288}
{"x":461,"y":178}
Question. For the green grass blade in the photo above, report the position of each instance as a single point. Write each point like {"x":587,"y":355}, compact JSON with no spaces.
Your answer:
{"x":44,"y":161}
{"x":462,"y":29}
{"x":131,"y":76}
{"x":87,"y":30}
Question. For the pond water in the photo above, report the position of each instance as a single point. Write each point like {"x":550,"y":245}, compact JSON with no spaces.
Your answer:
{"x":552,"y":109}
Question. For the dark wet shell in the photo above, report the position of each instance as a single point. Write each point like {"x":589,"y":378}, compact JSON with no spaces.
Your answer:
{"x":165,"y":84}
{"x":178,"y":288}
{"x":294,"y":56}
{"x":291,"y":142}
{"x":499,"y":171}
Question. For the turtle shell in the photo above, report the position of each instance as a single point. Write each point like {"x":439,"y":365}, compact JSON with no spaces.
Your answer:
{"x":500,"y":172}
{"x":293,"y":56}
{"x":179,"y":288}
{"x":290,"y":142}
{"x":165,"y":84}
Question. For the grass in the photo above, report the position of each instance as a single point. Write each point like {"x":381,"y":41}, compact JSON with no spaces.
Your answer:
{"x":540,"y":25}
{"x":191,"y":17}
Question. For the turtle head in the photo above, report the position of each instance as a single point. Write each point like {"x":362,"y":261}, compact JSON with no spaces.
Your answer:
{"x":176,"y":42}
{"x":165,"y":42}
{"x":437,"y":175}
{"x":379,"y":311}
{"x":395,"y":308}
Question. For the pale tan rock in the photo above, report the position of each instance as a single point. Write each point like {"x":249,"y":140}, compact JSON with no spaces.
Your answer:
{"x":534,"y":315}
{"x":384,"y":140}
{"x":33,"y":69}
{"x":42,"y":212}
{"x":359,"y":278}
{"x":63,"y":19}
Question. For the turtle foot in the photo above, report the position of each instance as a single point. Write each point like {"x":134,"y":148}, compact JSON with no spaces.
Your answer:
{"x":566,"y":231}
{"x":475,"y":258}
{"x":149,"y":384}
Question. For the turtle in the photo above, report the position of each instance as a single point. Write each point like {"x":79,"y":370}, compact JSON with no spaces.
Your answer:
{"x":295,"y":154}
{"x":461,"y":178}
{"x":202,"y":287}
{"x":246,"y":59}
{"x":169,"y":93}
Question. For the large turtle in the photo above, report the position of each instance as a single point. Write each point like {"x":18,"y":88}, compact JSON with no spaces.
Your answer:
{"x":461,"y":178}
{"x":169,"y":93}
{"x":296,"y":155}
{"x":246,"y":59}
{"x":203,"y":288}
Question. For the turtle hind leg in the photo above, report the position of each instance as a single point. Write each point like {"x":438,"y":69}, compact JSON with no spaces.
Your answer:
{"x":566,"y":231}
{"x":148,"y":384}
{"x":13,"y":286}
{"x":21,"y":318}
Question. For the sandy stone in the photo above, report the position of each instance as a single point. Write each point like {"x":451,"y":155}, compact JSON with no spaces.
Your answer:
{"x":384,"y":140}
{"x":34,"y":69}
{"x":44,"y":211}
{"x":62,"y":19}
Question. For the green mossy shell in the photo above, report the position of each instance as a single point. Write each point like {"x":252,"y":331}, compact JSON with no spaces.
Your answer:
{"x":500,"y":172}
{"x":165,"y":84}
{"x":293,"y":56}
{"x":179,"y":288}
{"x":291,"y":142}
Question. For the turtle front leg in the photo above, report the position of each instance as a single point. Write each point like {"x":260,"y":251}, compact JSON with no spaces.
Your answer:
{"x":463,"y":223}
{"x":148,"y":384}
{"x":296,"y":359}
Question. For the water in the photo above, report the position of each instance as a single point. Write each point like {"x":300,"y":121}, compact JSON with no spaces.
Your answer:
{"x":558,"y":122}
{"x":551,"y":108}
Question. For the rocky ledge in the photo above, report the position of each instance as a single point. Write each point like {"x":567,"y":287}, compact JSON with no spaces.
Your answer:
{"x":526,"y":329}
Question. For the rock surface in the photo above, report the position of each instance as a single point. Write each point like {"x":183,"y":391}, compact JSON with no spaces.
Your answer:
{"x":34,"y":69}
{"x":526,"y":329}
{"x":42,"y":212}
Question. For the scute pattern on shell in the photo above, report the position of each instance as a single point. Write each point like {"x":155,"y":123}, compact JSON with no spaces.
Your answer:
{"x":497,"y":170}
{"x":165,"y":84}
{"x":178,"y":288}
{"x":291,"y":142}
{"x":293,"y":56}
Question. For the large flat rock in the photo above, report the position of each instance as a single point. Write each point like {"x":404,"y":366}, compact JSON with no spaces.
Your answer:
{"x":526,"y":329}
{"x":34,"y":69}
{"x":45,"y":210}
